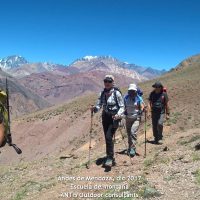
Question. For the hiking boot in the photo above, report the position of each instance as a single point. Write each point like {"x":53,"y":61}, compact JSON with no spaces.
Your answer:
{"x":157,"y":142}
{"x":132,"y":152}
{"x":109,"y":162}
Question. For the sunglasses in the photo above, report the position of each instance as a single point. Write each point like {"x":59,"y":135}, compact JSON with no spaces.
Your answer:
{"x":107,"y":81}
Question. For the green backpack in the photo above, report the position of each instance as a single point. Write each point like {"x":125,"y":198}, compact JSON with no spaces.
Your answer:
{"x":4,"y":111}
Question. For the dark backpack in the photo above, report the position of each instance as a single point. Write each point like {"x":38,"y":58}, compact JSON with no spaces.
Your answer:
{"x":139,"y":92}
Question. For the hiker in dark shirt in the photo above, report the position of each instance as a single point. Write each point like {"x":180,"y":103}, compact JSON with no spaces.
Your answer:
{"x":158,"y":105}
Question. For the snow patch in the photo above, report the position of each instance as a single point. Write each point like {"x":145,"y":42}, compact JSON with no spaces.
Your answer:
{"x":89,"y":57}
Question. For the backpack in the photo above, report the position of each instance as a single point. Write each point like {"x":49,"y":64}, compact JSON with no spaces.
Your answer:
{"x":139,"y":92}
{"x":164,"y":89}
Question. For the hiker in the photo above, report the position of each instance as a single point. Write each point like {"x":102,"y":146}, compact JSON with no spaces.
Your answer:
{"x":2,"y":114}
{"x":134,"y":105}
{"x":158,"y":106}
{"x":113,"y":107}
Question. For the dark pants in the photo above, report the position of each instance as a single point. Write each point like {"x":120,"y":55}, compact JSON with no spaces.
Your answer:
{"x":157,"y":122}
{"x":109,"y":127}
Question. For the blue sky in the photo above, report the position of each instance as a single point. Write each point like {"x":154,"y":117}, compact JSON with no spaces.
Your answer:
{"x":156,"y":33}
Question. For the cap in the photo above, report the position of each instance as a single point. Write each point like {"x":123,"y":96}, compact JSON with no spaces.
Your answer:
{"x":132,"y":87}
{"x":109,"y":78}
{"x":157,"y":85}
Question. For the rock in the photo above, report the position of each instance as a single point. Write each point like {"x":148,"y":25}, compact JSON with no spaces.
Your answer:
{"x":75,"y":157}
{"x":180,"y":157}
{"x":150,"y":192}
{"x":66,"y":156}
{"x":185,"y":160}
{"x":166,"y":149}
{"x":197,"y":147}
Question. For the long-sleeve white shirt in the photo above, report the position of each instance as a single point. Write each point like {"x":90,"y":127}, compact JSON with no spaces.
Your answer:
{"x":108,"y":102}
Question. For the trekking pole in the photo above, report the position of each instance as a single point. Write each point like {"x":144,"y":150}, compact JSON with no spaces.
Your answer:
{"x":120,"y":130}
{"x":90,"y":147}
{"x":9,"y":136}
{"x":145,"y":134}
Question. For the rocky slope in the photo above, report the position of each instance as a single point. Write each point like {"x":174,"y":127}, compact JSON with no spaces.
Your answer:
{"x":56,"y":88}
{"x":107,"y":64}
{"x":22,"y":100}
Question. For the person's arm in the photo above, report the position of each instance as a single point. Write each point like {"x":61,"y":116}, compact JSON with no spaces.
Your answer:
{"x":141,"y":104}
{"x":149,"y":106}
{"x":167,"y":110}
{"x":121,"y":104}
{"x":98,"y":105}
{"x":125,"y":108}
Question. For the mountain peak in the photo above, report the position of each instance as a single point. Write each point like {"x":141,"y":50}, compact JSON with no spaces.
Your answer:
{"x":12,"y":62}
{"x":89,"y":58}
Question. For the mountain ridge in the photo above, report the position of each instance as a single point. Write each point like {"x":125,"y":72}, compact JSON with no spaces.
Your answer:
{"x":18,"y":66}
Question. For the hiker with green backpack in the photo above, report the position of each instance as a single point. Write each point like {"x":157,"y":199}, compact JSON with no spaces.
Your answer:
{"x":158,"y":106}
{"x":111,"y":100}
{"x":3,"y":118}
{"x":134,"y":106}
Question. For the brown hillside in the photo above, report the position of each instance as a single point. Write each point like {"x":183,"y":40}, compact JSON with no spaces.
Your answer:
{"x":22,"y":100}
{"x":56,"y":88}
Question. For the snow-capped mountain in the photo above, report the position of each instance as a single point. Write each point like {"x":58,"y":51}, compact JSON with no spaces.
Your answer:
{"x":82,"y":76}
{"x":89,"y":58}
{"x":12,"y":62}
{"x":30,"y":68}
{"x":18,"y":66}
{"x":107,"y":64}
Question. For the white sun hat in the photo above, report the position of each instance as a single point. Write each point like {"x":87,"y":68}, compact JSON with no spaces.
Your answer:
{"x":132,"y":87}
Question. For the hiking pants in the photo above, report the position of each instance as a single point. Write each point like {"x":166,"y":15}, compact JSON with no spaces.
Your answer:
{"x":109,"y":126}
{"x":157,"y":122}
{"x":132,"y":126}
